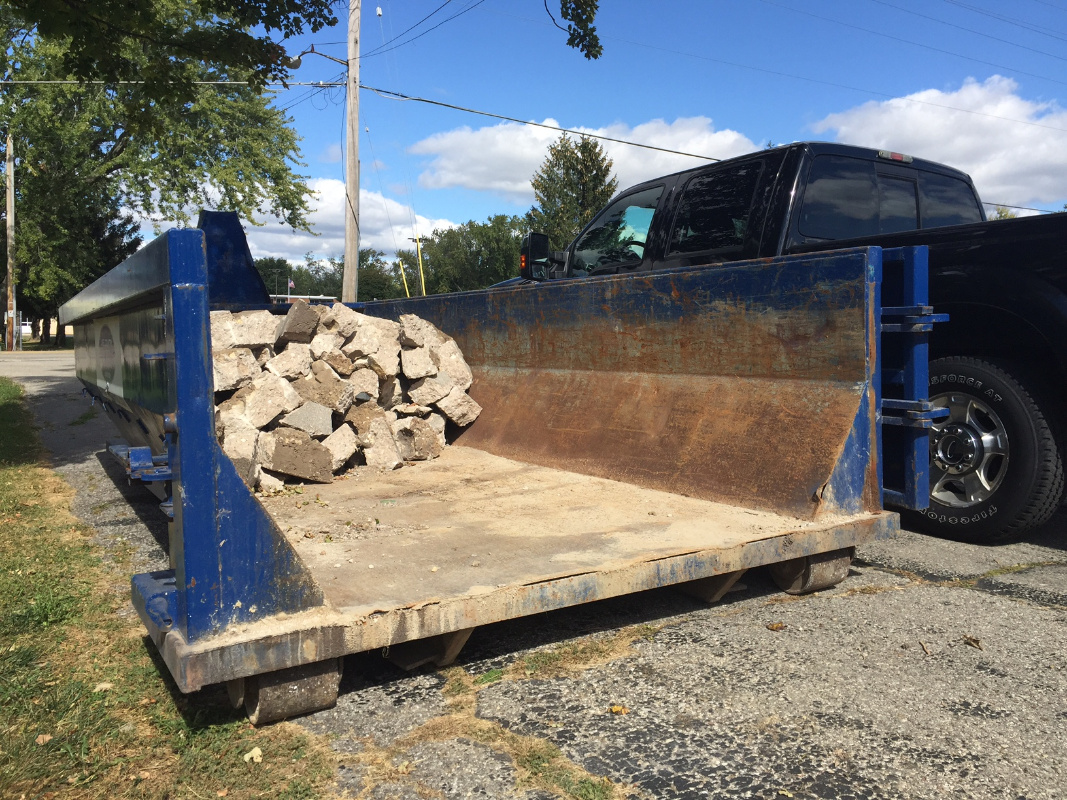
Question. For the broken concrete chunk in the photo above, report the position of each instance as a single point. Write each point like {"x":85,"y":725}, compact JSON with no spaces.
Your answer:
{"x":312,"y":418}
{"x":417,"y":332}
{"x":325,"y":341}
{"x":268,"y":482}
{"x":416,"y":440}
{"x":342,"y":444}
{"x":295,"y":453}
{"x":438,"y":423}
{"x":449,"y":358}
{"x":339,"y":362}
{"x":377,"y":340}
{"x":415,"y":363}
{"x":411,"y":410}
{"x":300,"y":324}
{"x":365,"y":380}
{"x":324,"y":372}
{"x":342,"y":319}
{"x":270,"y":396}
{"x":361,"y":417}
{"x":263,"y":354}
{"x":233,"y":368}
{"x":240,"y":445}
{"x":335,"y":394}
{"x":390,"y":393}
{"x":379,"y":447}
{"x":222,"y":330}
{"x":255,"y":328}
{"x":459,"y":407}
{"x":293,"y":362}
{"x":427,"y":391}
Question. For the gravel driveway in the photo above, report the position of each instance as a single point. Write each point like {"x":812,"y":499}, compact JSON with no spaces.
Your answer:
{"x":936,"y":669}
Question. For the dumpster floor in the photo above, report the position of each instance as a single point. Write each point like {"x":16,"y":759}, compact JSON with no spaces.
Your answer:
{"x":470,"y":524}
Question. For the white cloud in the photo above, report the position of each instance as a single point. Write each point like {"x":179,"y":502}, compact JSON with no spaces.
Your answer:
{"x":331,"y":154}
{"x":385,"y":224}
{"x":970,"y":128}
{"x":502,"y":158}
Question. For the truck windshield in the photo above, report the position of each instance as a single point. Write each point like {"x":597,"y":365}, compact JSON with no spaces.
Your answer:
{"x":618,"y":235}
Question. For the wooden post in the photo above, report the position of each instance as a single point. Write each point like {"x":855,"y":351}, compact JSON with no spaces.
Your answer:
{"x":350,"y":276}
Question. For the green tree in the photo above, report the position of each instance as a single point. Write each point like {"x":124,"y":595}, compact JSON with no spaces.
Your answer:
{"x":572,"y":184}
{"x":1003,"y":212}
{"x":378,"y":278}
{"x":472,"y":256}
{"x":84,"y":167}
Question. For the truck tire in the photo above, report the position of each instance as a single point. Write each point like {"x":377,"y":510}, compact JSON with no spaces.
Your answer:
{"x":995,"y":469}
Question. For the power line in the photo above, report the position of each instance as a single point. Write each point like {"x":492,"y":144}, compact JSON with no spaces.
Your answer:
{"x":914,"y":44}
{"x":380,"y":51}
{"x":968,"y":30}
{"x":386,"y":93}
{"x":1001,"y":18}
{"x":410,"y":29}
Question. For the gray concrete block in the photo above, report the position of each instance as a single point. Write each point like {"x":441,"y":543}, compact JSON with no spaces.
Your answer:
{"x":222,"y":330}
{"x":293,"y":452}
{"x":325,"y":341}
{"x":331,"y":392}
{"x":427,"y":391}
{"x":459,"y":407}
{"x":255,"y":328}
{"x":270,"y":396}
{"x":365,"y":380}
{"x":342,"y":444}
{"x":300,"y":324}
{"x":415,"y":363}
{"x":293,"y":362}
{"x":312,"y":418}
{"x":339,"y":362}
{"x":378,"y":445}
{"x":416,"y":440}
{"x":233,"y":368}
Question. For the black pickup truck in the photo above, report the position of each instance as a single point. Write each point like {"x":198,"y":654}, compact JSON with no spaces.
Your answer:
{"x":999,"y":365}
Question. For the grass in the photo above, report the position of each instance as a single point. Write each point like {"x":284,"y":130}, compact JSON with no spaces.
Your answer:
{"x":85,"y":709}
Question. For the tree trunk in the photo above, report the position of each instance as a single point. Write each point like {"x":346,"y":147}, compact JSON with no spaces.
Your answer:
{"x":61,"y":334}
{"x":46,"y":332}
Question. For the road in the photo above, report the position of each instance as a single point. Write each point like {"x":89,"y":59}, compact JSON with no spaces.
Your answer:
{"x":935,"y":669}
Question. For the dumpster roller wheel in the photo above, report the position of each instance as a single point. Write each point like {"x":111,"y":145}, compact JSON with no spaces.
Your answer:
{"x":274,"y":696}
{"x":812,"y":573}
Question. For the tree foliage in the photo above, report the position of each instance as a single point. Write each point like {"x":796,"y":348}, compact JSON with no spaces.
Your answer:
{"x":155,"y":40}
{"x":572,"y":184}
{"x":86,"y":166}
{"x":581,"y":32}
{"x":378,"y":279}
{"x":474,"y":255}
{"x":1003,"y":212}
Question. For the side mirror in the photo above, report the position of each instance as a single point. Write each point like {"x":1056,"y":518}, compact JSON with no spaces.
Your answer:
{"x":534,"y":256}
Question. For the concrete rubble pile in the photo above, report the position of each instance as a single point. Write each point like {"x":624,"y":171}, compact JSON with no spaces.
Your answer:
{"x":324,"y":388}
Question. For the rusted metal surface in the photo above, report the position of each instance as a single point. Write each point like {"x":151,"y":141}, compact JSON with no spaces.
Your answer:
{"x":737,"y":384}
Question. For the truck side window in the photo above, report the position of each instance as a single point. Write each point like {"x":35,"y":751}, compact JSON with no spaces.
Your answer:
{"x":714,"y":209}
{"x":618,"y":235}
{"x":841,"y":200}
{"x":898,"y":205}
{"x":947,"y":201}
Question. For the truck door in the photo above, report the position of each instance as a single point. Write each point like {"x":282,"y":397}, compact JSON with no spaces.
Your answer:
{"x":616,"y":239}
{"x":714,"y":217}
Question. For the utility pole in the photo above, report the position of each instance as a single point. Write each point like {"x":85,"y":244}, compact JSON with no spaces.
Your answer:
{"x":11,"y":321}
{"x":350,"y":276}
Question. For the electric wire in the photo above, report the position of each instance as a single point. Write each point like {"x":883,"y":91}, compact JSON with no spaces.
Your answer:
{"x":913,"y":44}
{"x":411,"y":28}
{"x":380,"y":51}
{"x":968,"y":30}
{"x":1001,"y":18}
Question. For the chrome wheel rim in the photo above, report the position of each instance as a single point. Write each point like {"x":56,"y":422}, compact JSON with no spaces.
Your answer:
{"x":968,"y":451}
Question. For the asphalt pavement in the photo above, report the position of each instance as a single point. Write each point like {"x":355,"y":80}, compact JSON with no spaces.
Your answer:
{"x":935,"y":669}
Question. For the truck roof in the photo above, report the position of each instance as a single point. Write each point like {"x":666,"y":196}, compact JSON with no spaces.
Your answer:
{"x":830,"y":148}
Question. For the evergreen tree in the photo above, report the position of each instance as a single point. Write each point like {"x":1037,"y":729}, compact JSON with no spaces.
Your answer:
{"x":574,"y":182}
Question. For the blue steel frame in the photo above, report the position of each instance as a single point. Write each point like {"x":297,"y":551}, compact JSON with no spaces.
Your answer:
{"x":906,"y":323}
{"x":231,"y":563}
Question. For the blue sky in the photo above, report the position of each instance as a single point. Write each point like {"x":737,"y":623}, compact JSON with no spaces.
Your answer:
{"x":973,"y":83}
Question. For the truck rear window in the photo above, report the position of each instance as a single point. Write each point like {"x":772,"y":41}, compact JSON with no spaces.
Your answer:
{"x":947,"y":201}
{"x":849,"y":197}
{"x":714,"y":209}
